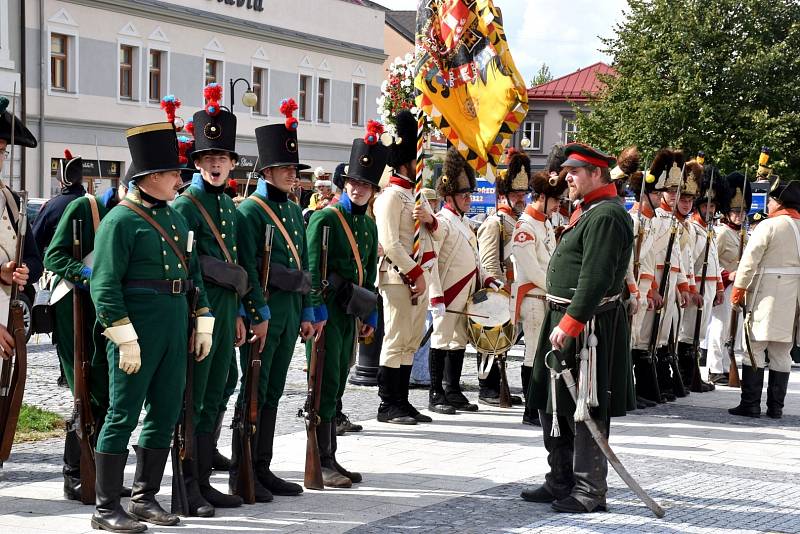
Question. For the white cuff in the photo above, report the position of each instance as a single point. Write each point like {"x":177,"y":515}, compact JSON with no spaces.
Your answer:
{"x":205,"y":325}
{"x":121,"y":334}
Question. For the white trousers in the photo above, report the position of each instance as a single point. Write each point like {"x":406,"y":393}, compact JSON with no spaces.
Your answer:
{"x":780,"y":355}
{"x":531,"y":311}
{"x":403,"y":325}
{"x":717,"y":334}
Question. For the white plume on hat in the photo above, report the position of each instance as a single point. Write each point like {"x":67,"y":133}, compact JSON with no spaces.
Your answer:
{"x":320,"y":171}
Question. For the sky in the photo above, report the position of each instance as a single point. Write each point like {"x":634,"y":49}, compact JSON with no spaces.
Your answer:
{"x":544,"y":31}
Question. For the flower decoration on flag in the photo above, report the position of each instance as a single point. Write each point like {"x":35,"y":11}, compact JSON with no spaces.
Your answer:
{"x":397,"y":94}
{"x":170,"y":104}
{"x":287,"y":109}
{"x":374,"y":132}
{"x":213,"y":94}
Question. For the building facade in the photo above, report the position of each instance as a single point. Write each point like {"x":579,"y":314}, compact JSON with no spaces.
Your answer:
{"x":551,"y":110}
{"x":96,"y":67}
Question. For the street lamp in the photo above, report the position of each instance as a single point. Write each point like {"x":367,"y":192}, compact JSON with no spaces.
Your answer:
{"x":249,"y":98}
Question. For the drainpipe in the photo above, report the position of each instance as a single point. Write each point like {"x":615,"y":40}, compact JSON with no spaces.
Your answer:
{"x":23,"y":91}
{"x":42,"y":88}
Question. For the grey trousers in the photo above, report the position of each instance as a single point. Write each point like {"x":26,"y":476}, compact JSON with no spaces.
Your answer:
{"x":577,"y":465}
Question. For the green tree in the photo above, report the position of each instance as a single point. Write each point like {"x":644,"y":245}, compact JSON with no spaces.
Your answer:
{"x":543,"y":75}
{"x":721,"y":76}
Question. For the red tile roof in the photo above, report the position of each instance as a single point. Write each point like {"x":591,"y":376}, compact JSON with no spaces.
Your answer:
{"x":577,"y":86}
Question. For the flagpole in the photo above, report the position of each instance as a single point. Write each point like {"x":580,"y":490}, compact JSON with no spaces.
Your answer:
{"x":416,"y":249}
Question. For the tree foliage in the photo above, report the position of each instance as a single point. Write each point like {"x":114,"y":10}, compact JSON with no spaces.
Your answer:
{"x":543,"y":75}
{"x":721,"y":76}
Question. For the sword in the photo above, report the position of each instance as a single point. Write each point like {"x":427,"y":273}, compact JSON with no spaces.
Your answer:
{"x":598,"y":436}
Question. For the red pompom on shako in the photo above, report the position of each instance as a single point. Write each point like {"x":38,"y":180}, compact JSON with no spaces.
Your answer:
{"x":374,"y":132}
{"x":288,"y":107}
{"x":213,"y":94}
{"x":67,"y":154}
{"x":170,"y":105}
{"x":185,"y":146}
{"x":189,"y":127}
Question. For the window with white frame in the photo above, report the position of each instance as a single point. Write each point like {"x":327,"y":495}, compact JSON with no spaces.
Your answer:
{"x":304,"y":89}
{"x":323,"y":100}
{"x":126,"y":72}
{"x":60,"y":75}
{"x":357,"y":109}
{"x":570,"y":131}
{"x":532,"y":130}
{"x":157,"y":75}
{"x":213,"y":72}
{"x":5,"y":52}
{"x":260,"y":86}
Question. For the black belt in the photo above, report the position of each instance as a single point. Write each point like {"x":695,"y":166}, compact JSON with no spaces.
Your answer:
{"x":600,"y":309}
{"x":166,"y":287}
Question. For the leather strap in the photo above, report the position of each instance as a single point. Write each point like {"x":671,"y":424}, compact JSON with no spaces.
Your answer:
{"x":141,"y":213}
{"x":11,"y":205}
{"x":95,"y":212}
{"x":282,"y":229}
{"x":212,"y":226}
{"x":353,"y":245}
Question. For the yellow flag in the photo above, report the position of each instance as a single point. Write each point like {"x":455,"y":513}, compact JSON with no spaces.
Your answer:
{"x":467,"y":81}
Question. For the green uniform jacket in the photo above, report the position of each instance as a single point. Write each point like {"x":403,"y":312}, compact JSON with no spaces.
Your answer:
{"x":252,"y":222}
{"x":128,"y":248}
{"x":589,"y":264}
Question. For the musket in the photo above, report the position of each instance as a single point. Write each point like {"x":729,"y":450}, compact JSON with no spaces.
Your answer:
{"x":697,"y":380}
{"x":183,"y":437}
{"x":82,"y":417}
{"x":13,"y":371}
{"x":599,"y":437}
{"x":637,"y":253}
{"x":730,"y":344}
{"x":313,"y":469}
{"x":662,"y":290}
{"x":505,"y":394}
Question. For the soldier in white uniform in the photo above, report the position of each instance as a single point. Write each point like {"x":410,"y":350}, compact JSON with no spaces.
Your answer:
{"x":768,"y":283}
{"x":459,"y":273}
{"x":727,"y":240}
{"x":532,"y":246}
{"x":402,"y":278}
{"x":511,"y":189}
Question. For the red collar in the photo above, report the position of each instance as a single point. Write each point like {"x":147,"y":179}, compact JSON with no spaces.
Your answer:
{"x":666,"y":207}
{"x":698,"y":219}
{"x":402,"y":182}
{"x":452,"y":210}
{"x":606,"y":191}
{"x":508,"y":211}
{"x":646,"y":210}
{"x":794,"y":214}
{"x":536,"y":214}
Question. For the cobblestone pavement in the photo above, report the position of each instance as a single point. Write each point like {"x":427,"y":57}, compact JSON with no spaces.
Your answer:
{"x":712,"y":472}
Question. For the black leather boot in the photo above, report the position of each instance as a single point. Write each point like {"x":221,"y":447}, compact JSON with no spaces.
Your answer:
{"x":454,"y":362}
{"x":646,"y":387}
{"x":665,"y":382}
{"x":262,"y":494}
{"x":489,"y":387}
{"x":72,"y":465}
{"x":109,"y":515}
{"x":752,"y":384}
{"x":776,"y":393}
{"x":266,"y":436}
{"x":389,"y":410}
{"x":354,"y":477}
{"x":531,"y":415}
{"x":436,"y":399}
{"x":403,"y":388}
{"x":198,"y":505}
{"x":331,"y":477}
{"x":205,"y":459}
{"x":146,"y":483}
{"x":220,"y":462}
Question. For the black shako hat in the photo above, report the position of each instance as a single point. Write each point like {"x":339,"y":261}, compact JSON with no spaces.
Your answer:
{"x":580,"y":155}
{"x":277,"y":143}
{"x":368,"y":157}
{"x":22,"y":136}
{"x":153,"y":148}
{"x":70,"y":169}
{"x":404,"y":148}
{"x":214,"y":127}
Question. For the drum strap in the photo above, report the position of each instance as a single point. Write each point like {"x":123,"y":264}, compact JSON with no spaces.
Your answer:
{"x":452,"y":292}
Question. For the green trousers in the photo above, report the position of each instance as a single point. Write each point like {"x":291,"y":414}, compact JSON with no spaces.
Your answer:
{"x":160,"y":322}
{"x":340,"y":333}
{"x":211,"y":375}
{"x":64,"y":339}
{"x":284,"y":328}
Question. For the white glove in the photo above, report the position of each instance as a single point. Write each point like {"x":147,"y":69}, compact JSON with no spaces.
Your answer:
{"x":496,"y":285}
{"x":130,"y":359}
{"x":437,"y":310}
{"x":202,"y":337}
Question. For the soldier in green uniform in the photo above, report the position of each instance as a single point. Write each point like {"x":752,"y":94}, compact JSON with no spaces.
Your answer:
{"x":273,"y":320}
{"x":75,"y":273}
{"x":348,"y":309}
{"x":585,"y":278}
{"x":139,"y":285}
{"x":211,"y":215}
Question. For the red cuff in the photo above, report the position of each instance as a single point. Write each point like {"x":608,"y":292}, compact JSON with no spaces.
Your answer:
{"x":720,"y":286}
{"x":432,"y":227}
{"x":632,"y":289}
{"x":437,"y":300}
{"x":414,"y":273}
{"x":683,"y":287}
{"x":570,"y":326}
{"x":737,"y":297}
{"x":692,"y":288}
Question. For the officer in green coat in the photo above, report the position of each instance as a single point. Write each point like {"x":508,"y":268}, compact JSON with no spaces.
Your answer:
{"x":273,"y":320}
{"x":211,"y":215}
{"x":74,"y":273}
{"x":585,"y":278}
{"x":139,"y":285}
{"x":351,"y":286}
